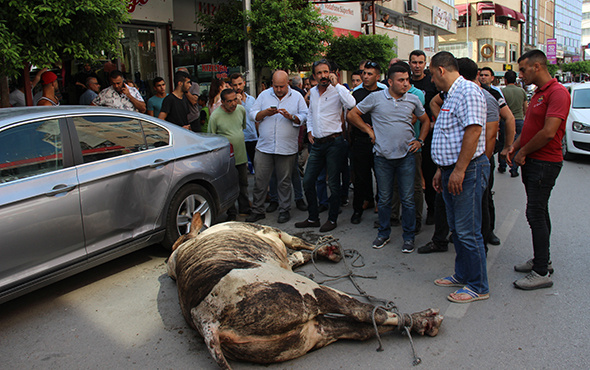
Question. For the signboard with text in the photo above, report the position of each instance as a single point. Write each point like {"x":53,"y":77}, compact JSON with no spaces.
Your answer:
{"x":348,"y":17}
{"x":552,"y":51}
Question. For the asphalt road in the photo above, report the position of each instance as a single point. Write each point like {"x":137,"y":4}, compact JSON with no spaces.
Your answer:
{"x":125,"y":314}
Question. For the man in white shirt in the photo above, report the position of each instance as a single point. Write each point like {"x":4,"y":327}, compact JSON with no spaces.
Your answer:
{"x":279,"y":112}
{"x":324,"y":130}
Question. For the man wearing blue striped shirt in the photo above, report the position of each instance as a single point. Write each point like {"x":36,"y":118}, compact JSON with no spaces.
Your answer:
{"x":458,"y":147}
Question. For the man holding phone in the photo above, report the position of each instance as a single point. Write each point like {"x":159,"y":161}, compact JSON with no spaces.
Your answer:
{"x":119,"y":95}
{"x":279,"y":112}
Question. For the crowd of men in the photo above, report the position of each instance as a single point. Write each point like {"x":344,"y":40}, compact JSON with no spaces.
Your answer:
{"x":425,"y":135}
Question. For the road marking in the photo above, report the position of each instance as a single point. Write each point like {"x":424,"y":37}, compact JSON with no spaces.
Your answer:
{"x":458,"y":310}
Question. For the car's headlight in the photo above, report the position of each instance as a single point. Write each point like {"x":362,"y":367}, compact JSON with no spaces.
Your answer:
{"x":581,"y":127}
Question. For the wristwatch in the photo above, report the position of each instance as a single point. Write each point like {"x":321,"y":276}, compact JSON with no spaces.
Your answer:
{"x":420,"y":141}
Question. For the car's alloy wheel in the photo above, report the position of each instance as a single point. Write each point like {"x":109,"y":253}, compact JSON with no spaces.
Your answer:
{"x":189,"y":200}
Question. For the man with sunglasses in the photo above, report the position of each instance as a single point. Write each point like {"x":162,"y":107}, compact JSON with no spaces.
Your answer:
{"x":324,"y":131}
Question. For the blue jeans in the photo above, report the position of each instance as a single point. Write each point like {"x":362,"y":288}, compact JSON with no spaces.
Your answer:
{"x":386,"y":172}
{"x":325,"y":155}
{"x":464,"y":214}
{"x":539,"y":178}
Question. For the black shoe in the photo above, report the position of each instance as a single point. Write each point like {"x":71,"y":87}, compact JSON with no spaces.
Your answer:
{"x":501,"y":169}
{"x":418,"y":227}
{"x":430,"y":247}
{"x":328,"y":226}
{"x":273,"y":206}
{"x":284,"y":217}
{"x":429,"y":218}
{"x":513,"y":173}
{"x":300,"y":204}
{"x":344,"y":202}
{"x":493,"y":239}
{"x":323,"y":208}
{"x":356,"y":218}
{"x":246,"y":212}
{"x":255,"y":217}
{"x":231,"y":217}
{"x":307,"y":223}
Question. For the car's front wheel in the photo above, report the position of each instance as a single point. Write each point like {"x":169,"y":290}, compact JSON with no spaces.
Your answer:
{"x":189,"y":200}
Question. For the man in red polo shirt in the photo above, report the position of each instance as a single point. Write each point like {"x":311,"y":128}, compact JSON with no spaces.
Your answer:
{"x":538,"y":151}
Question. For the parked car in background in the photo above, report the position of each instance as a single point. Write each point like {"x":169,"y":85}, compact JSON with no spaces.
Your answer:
{"x":577,"y":127}
{"x":80,"y":186}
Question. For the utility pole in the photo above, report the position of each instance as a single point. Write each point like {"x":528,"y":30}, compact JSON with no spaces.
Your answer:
{"x":250,"y":77}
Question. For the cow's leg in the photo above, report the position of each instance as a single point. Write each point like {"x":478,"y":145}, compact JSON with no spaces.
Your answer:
{"x":329,"y":252}
{"x":331,"y":301}
{"x":329,"y":330}
{"x":210,"y":333}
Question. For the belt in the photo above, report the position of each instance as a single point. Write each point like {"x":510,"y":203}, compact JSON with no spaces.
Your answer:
{"x":327,"y":139}
{"x":450,"y":167}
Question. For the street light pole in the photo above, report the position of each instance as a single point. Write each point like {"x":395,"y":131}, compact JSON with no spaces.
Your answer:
{"x":250,"y":77}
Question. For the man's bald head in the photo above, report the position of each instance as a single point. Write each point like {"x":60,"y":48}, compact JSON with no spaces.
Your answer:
{"x":280,"y":83}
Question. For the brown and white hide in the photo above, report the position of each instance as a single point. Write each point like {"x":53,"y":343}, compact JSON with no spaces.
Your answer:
{"x":237,"y":288}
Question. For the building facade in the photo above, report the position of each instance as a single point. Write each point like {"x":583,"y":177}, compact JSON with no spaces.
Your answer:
{"x":586,"y":29}
{"x":487,"y":32}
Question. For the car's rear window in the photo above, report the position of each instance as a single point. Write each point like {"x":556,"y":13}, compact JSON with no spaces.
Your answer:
{"x":104,"y":137}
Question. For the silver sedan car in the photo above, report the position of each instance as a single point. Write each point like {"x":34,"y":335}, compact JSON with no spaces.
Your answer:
{"x":80,"y":186}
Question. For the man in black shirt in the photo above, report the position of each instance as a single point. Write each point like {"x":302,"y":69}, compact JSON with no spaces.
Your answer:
{"x":362,"y":147}
{"x":175,"y":106}
{"x":422,"y":80}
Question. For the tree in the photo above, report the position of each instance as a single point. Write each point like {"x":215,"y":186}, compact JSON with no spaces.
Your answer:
{"x":286,"y":34}
{"x":48,"y":31}
{"x":552,"y":68}
{"x":348,"y":51}
{"x":577,"y":68}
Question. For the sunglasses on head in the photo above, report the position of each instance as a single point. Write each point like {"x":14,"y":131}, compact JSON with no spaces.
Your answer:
{"x":372,"y":65}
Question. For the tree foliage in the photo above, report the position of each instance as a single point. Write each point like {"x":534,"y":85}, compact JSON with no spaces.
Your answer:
{"x":348,"y":51}
{"x":577,"y":68}
{"x":285,"y":34}
{"x":552,"y":68}
{"x":42,"y":32}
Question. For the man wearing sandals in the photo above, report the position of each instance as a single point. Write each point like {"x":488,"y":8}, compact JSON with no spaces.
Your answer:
{"x":458,"y":147}
{"x":538,"y":151}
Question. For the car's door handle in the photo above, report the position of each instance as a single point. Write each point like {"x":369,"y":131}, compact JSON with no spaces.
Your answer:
{"x":159,"y":163}
{"x":61,"y":188}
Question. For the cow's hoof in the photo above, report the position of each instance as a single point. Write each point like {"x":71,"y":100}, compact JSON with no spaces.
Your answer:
{"x":426,"y":322}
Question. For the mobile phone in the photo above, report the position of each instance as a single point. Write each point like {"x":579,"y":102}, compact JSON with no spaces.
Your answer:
{"x":273,"y":107}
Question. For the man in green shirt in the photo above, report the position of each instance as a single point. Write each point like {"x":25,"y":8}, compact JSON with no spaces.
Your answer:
{"x":515,"y":97}
{"x":230,"y":121}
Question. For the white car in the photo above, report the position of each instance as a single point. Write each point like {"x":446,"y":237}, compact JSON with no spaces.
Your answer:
{"x":577,"y":128}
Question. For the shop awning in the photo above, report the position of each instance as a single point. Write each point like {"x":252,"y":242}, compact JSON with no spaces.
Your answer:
{"x":462,"y":9}
{"x":503,"y":11}
{"x":485,"y":8}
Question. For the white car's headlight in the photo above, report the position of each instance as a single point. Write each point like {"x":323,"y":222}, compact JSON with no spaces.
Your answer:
{"x":581,"y":127}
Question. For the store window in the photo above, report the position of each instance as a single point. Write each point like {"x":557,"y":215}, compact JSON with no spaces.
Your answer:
{"x":139,"y":62}
{"x":429,"y":36}
{"x":500,"y":51}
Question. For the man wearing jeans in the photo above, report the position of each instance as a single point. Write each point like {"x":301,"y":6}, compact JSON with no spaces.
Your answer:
{"x":395,"y":142}
{"x":324,"y":131}
{"x":458,"y":146}
{"x":538,"y":151}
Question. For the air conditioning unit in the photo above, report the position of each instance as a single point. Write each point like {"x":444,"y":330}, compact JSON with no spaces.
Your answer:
{"x":411,"y":6}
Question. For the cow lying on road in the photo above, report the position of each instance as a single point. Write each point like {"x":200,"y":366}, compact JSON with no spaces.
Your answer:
{"x":237,"y":288}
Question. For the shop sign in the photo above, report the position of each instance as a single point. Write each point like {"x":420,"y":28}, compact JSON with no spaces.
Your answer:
{"x":348,"y":17}
{"x":212,"y":68}
{"x":552,"y":51}
{"x":150,"y":10}
{"x":441,"y":18}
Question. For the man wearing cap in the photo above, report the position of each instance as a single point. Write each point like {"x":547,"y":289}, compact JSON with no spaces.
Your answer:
{"x":50,"y":86}
{"x":119,"y":95}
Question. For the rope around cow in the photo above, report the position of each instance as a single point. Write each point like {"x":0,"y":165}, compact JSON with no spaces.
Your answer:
{"x":379,"y":303}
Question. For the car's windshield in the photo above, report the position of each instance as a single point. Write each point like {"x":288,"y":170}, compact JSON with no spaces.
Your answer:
{"x":581,"y":99}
